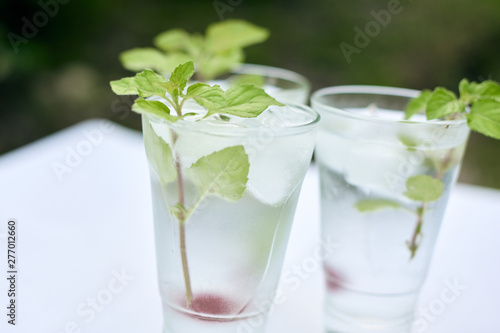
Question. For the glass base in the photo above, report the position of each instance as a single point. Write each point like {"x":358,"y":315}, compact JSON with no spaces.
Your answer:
{"x":178,"y":321}
{"x":348,"y":311}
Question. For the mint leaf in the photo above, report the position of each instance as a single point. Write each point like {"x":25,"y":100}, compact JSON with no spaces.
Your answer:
{"x":179,"y":211}
{"x":245,"y":101}
{"x":172,"y":40}
{"x":125,"y":86}
{"x":468,"y":91}
{"x":423,"y":188}
{"x":220,"y":63}
{"x":159,"y":155}
{"x":178,"y":80}
{"x":143,"y":84}
{"x":206,"y":95}
{"x":443,"y":103}
{"x":147,"y":81}
{"x":223,"y":173}
{"x":234,"y":34}
{"x":196,"y":48}
{"x":484,"y":117}
{"x":473,"y":92}
{"x":410,"y":142}
{"x":370,"y":205}
{"x":139,"y":59}
{"x":489,"y":89}
{"x":180,"y":76}
{"x":417,"y":104}
{"x":153,"y":108}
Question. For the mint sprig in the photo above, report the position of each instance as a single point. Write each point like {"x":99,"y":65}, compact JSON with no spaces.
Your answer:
{"x":479,"y":103}
{"x":216,"y":53}
{"x":422,"y":189}
{"x":223,"y":173}
{"x":244,"y":100}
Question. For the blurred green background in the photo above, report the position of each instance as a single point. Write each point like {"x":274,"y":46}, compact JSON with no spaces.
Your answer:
{"x":59,"y":76}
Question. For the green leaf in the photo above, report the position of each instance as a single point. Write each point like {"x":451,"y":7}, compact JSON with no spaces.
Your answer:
{"x":181,"y":75}
{"x":172,"y":40}
{"x":484,"y":117}
{"x":179,"y":211}
{"x":245,"y":101}
{"x":153,"y":108}
{"x":473,"y":92}
{"x":125,"y":86}
{"x":223,"y":173}
{"x":206,"y":95}
{"x":195,"y":47}
{"x":417,"y":104}
{"x":159,"y":155}
{"x":443,"y":103}
{"x":139,"y":59}
{"x":424,"y":188}
{"x":234,"y":34}
{"x":410,"y":142}
{"x":147,"y":81}
{"x":489,"y":89}
{"x":216,"y":64}
{"x":467,"y":91}
{"x":144,"y":58}
{"x":370,"y":205}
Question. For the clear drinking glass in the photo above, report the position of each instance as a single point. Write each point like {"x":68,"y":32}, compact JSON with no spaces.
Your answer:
{"x":370,"y":161}
{"x":284,"y":85}
{"x":218,"y":270}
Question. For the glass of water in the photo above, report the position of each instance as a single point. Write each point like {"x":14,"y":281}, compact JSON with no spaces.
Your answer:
{"x":224,"y":195}
{"x":385,"y":183}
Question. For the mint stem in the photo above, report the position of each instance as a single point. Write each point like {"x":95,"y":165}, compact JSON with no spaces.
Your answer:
{"x":413,"y":244}
{"x":182,"y":227}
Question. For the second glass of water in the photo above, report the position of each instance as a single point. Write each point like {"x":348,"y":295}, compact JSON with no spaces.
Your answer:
{"x":385,"y":183}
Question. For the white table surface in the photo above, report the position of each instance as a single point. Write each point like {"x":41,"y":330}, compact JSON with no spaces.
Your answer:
{"x":76,"y":233}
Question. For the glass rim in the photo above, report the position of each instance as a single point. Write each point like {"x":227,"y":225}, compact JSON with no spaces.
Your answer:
{"x":374,"y":90}
{"x":271,"y":71}
{"x":197,"y":127}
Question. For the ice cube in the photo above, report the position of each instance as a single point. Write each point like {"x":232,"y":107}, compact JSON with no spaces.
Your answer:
{"x":277,"y":162}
